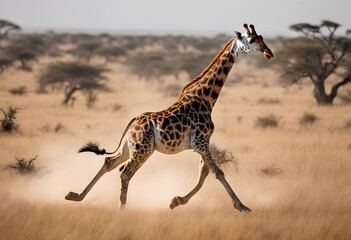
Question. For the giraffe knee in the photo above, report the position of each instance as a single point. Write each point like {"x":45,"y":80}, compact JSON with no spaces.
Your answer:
{"x":219,"y":173}
{"x":109,"y":163}
{"x":205,"y":170}
{"x":125,"y":177}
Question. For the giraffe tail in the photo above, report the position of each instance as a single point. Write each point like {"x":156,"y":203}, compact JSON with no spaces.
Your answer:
{"x":94,"y":147}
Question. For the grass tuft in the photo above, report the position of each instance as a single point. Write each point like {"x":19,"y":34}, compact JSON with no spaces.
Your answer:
{"x":308,"y":119}
{"x":265,"y":100}
{"x":22,"y":90}
{"x":271,"y":171}
{"x":267,"y":121}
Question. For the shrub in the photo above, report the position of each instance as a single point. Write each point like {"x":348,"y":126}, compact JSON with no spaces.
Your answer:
{"x":265,"y":100}
{"x":223,"y":156}
{"x":308,"y":119}
{"x":23,"y":166}
{"x":8,"y":124}
{"x":267,"y":121}
{"x":22,"y":90}
{"x":271,"y":171}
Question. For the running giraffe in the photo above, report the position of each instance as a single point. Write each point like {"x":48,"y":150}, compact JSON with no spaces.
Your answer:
{"x":184,"y":125}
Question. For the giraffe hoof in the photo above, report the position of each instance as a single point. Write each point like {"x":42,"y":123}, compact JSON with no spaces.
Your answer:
{"x":73,"y":196}
{"x":176,"y":201}
{"x":242,"y":208}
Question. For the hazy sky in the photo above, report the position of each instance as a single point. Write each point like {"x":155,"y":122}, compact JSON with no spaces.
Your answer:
{"x":271,"y":17}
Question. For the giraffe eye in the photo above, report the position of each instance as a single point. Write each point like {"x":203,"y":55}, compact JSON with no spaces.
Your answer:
{"x":252,"y":40}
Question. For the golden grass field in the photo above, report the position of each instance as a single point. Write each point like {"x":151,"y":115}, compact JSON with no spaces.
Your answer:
{"x":310,"y":199}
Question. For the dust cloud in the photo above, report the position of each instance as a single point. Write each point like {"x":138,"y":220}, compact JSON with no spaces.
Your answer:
{"x":160,"y":179}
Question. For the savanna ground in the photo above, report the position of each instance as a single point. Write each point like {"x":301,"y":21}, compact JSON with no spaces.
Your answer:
{"x":296,"y":178}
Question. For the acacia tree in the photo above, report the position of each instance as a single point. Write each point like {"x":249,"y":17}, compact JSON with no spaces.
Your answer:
{"x":110,"y":52}
{"x":73,"y":76}
{"x":6,"y":26}
{"x":317,"y":56}
{"x":85,"y":49}
{"x":27,"y":49}
{"x":5,"y":62}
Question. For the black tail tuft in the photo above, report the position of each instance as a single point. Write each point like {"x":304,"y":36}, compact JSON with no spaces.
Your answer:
{"x":92,"y":147}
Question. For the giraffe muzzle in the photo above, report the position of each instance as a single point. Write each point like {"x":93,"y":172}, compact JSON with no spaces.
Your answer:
{"x":268,"y":54}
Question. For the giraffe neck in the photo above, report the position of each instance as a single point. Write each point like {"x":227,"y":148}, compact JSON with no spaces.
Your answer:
{"x":209,"y":83}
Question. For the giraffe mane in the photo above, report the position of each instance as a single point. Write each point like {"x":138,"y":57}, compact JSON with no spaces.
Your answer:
{"x":203,"y":73}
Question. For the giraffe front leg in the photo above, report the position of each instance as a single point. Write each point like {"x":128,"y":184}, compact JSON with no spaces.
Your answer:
{"x":204,"y":170}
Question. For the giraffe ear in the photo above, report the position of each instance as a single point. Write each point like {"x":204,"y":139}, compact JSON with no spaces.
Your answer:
{"x":238,"y":35}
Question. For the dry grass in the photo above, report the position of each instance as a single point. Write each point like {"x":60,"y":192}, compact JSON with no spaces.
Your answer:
{"x":310,"y":200}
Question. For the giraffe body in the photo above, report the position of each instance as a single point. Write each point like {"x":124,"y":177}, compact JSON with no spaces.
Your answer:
{"x":186,"y":124}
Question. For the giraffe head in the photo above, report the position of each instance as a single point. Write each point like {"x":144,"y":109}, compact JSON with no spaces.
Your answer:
{"x":251,"y":42}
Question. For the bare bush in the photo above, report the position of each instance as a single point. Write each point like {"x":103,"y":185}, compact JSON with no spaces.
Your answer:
{"x":8,"y":124}
{"x":223,"y":156}
{"x":308,"y":119}
{"x":23,"y":166}
{"x":271,"y":171}
{"x":267,"y":121}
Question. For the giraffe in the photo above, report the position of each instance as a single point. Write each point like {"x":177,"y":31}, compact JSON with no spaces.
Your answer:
{"x":186,"y":124}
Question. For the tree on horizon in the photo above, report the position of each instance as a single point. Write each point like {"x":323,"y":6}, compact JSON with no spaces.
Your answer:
{"x":317,"y":56}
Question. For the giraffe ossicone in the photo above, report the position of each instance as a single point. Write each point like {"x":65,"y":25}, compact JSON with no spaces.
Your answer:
{"x":186,"y":124}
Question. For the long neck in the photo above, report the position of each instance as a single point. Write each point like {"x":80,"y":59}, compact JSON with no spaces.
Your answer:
{"x":209,"y":83}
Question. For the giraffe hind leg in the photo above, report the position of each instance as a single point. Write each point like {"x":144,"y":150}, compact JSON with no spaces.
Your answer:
{"x":110,"y":164}
{"x":204,"y":170}
{"x":128,"y":172}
